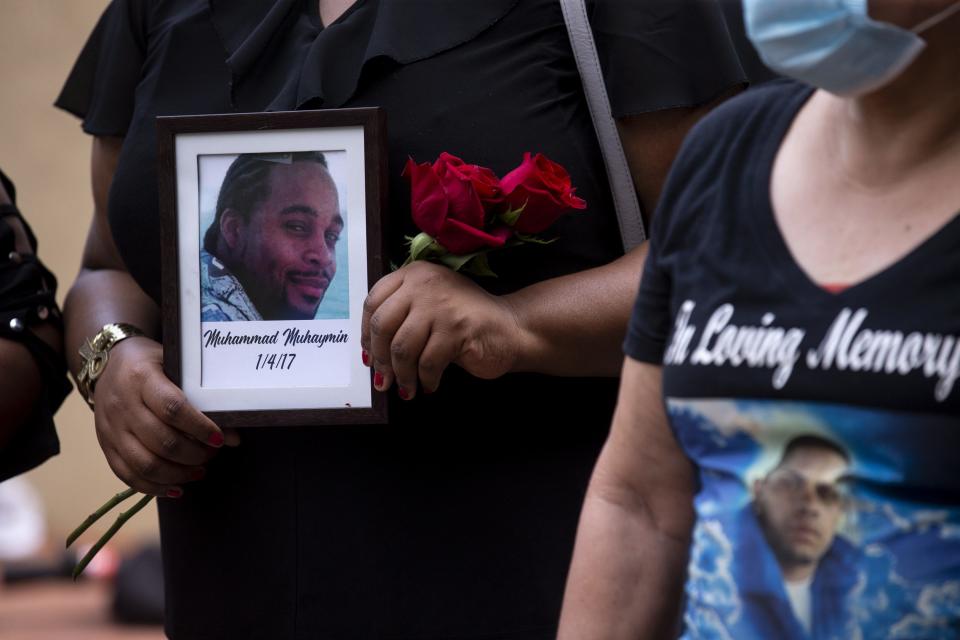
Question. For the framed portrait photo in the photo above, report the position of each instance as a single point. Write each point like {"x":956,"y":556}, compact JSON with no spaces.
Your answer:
{"x":271,"y":237}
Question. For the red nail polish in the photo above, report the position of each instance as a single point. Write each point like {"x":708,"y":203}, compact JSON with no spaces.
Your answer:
{"x":378,"y":379}
{"x":215,"y":439}
{"x":174,"y":493}
{"x":199,"y":473}
{"x":403,"y":393}
{"x":365,"y":357}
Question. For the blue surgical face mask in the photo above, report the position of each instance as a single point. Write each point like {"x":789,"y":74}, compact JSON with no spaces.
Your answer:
{"x":833,"y":44}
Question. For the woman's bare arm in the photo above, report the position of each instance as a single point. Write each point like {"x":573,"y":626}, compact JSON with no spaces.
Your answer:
{"x":153,"y":439}
{"x":629,"y":563}
{"x":104,"y":291}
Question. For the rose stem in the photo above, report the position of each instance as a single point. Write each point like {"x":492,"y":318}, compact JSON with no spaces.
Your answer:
{"x":121,"y":519}
{"x":96,"y":515}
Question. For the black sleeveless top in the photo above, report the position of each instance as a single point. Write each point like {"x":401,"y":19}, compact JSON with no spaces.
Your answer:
{"x":457,"y":519}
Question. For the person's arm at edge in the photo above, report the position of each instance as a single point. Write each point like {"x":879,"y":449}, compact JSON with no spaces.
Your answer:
{"x":153,"y":439}
{"x":20,"y":376}
{"x":20,"y":380}
{"x":629,"y":564}
{"x":104,"y":291}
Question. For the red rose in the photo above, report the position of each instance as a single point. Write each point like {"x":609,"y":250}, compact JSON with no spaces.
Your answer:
{"x":543,"y":188}
{"x":448,"y":200}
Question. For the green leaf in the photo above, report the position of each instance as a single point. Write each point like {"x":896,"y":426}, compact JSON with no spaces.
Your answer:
{"x":534,"y":239}
{"x":456,"y":262}
{"x":510,"y":216}
{"x":479,"y":266}
{"x":422,"y":245}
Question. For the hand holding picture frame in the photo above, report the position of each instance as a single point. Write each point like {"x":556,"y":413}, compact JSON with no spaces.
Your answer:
{"x":271,"y":238}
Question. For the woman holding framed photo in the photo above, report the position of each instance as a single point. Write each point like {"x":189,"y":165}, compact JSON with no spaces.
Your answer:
{"x":455,"y":520}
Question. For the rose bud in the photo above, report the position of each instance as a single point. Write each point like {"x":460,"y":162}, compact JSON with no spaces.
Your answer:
{"x":449,"y":200}
{"x":542,"y":187}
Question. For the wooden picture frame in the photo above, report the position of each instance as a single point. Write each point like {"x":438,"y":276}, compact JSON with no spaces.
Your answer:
{"x":267,"y":218}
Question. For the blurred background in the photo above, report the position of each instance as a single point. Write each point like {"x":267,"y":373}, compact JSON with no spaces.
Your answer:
{"x":46,"y":154}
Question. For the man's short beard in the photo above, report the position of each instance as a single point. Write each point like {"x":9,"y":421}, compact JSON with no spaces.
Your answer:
{"x":784,"y":554}
{"x":269,"y":306}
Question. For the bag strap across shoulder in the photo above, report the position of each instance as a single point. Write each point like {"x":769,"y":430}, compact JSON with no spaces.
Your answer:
{"x":618,"y":171}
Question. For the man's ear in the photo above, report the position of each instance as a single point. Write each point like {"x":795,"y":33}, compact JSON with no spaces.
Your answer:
{"x":232,"y":226}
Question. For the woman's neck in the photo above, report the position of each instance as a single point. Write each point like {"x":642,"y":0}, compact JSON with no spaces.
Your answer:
{"x":887,"y":134}
{"x":330,"y":10}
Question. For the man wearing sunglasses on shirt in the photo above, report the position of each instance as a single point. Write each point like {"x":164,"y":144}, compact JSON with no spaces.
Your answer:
{"x":794,"y":572}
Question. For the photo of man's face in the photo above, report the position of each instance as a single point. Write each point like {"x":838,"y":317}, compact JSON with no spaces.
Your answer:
{"x":800,"y":503}
{"x":285,"y":254}
{"x":270,"y":253}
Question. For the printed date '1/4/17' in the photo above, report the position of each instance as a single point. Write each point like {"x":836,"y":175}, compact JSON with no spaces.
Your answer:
{"x":275,"y":360}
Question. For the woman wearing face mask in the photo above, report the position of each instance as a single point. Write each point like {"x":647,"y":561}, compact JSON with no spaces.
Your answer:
{"x":785,"y":444}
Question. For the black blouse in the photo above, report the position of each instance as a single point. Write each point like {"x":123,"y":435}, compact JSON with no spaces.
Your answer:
{"x":457,"y":520}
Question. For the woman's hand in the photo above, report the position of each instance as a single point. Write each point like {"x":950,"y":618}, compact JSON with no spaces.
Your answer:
{"x":153,"y":439}
{"x":422,"y":317}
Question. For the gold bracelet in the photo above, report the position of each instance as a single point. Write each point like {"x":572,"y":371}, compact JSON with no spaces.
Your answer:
{"x":95,"y":352}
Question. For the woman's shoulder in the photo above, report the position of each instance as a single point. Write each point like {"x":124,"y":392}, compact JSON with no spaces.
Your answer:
{"x":725,"y":147}
{"x":115,"y":58}
{"x":755,"y":112}
{"x":730,"y":136}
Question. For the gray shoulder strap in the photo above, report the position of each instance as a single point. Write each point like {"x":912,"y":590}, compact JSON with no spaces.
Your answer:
{"x":618,"y":172}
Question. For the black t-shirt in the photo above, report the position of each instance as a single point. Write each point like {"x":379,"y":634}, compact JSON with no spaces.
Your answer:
{"x":457,"y":520}
{"x":825,"y":426}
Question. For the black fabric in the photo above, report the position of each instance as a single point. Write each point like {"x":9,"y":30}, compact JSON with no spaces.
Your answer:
{"x":101,"y":88}
{"x":660,"y":55}
{"x":27,"y":298}
{"x":457,"y":520}
{"x":750,"y":61}
{"x":138,"y":588}
{"x":720,"y":186}
{"x":261,"y":36}
{"x":8,"y":187}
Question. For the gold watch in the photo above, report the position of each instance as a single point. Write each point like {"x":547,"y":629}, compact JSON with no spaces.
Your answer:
{"x":95,"y":352}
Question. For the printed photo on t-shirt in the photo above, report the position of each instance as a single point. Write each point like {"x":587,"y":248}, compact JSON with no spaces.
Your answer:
{"x":821,"y":520}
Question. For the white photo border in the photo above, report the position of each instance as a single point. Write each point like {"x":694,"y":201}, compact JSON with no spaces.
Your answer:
{"x":187,"y":148}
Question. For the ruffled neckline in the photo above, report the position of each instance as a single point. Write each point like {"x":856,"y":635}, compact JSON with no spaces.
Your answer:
{"x":280,"y":46}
